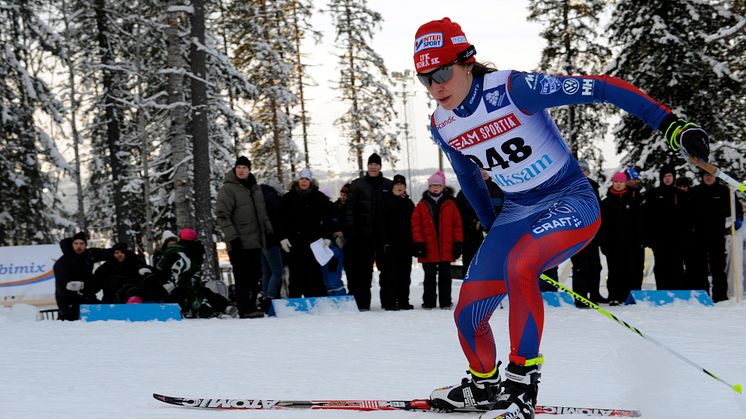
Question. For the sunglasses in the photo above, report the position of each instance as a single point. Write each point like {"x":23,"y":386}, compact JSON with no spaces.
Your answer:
{"x":444,"y":73}
{"x":440,"y":75}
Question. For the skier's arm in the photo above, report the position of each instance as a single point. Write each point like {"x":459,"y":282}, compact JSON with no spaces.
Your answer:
{"x":469,"y":178}
{"x":532,"y":92}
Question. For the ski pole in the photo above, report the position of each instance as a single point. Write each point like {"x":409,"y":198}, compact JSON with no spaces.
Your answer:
{"x":715,"y":171}
{"x":735,"y":387}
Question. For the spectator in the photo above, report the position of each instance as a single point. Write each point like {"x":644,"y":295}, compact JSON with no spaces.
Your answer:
{"x":272,"y":265}
{"x":687,"y":237}
{"x":711,"y":203}
{"x":473,"y":229}
{"x":117,"y":275}
{"x":586,"y":264}
{"x":665,"y":230}
{"x":167,"y":239}
{"x":243,"y":219}
{"x":180,"y":269}
{"x":438,"y":240}
{"x":620,"y":238}
{"x":395,"y":278}
{"x":340,"y":211}
{"x":73,"y":274}
{"x":307,"y":215}
{"x":363,"y":222}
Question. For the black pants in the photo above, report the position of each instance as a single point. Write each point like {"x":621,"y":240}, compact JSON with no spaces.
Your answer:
{"x":437,"y":275}
{"x":586,"y":273}
{"x":471,"y":246}
{"x":711,"y":253}
{"x":305,"y":273}
{"x":395,"y":279}
{"x":625,"y":271}
{"x":247,"y":274}
{"x":361,"y":273}
{"x":669,"y":267}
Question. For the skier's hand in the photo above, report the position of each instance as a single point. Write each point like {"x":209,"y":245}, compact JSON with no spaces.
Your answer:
{"x":285,"y":244}
{"x":420,"y":250}
{"x":688,"y":138}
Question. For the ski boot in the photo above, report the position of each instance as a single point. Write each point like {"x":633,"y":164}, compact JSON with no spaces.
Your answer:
{"x":519,"y":390}
{"x":476,"y":393}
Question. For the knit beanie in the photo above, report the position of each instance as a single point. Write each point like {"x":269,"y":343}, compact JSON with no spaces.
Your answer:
{"x":374,"y":158}
{"x":306,"y":173}
{"x":81,"y":236}
{"x":440,"y":42}
{"x":187,"y":234}
{"x":619,"y":177}
{"x":243,"y":161}
{"x":400,"y":179}
{"x":438,"y":178}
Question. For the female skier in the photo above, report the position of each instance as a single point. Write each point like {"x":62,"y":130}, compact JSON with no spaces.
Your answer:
{"x":497,"y":121}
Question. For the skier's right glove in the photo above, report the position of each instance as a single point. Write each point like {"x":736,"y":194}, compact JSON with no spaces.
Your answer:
{"x":686,"y":137}
{"x":420,"y":250}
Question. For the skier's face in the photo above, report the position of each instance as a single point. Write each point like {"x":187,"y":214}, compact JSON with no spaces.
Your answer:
{"x":451,"y":93}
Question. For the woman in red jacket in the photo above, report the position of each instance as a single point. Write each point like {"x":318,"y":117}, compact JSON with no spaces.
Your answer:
{"x":438,"y":239}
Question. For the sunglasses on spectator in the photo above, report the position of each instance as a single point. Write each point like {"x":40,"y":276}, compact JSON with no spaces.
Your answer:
{"x":445,"y":72}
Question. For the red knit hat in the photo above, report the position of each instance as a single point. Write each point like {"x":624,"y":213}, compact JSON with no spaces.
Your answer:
{"x":187,"y":234}
{"x":440,"y":42}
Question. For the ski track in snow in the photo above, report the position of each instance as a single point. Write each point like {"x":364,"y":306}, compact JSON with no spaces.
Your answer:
{"x":110,"y":369}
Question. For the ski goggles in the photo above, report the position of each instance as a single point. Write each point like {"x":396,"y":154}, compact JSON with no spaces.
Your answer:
{"x":440,"y":75}
{"x":445,"y":72}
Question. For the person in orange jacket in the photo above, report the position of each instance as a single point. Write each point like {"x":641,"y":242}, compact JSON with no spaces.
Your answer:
{"x":438,"y":239}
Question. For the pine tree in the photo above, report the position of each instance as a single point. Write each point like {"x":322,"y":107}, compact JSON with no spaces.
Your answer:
{"x":573,"y":47}
{"x":361,"y":83}
{"x":661,"y":48}
{"x":28,"y":214}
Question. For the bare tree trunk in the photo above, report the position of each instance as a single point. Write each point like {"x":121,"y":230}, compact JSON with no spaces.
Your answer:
{"x":112,"y":123}
{"x":179,"y":150}
{"x":299,"y":73}
{"x":144,"y":151}
{"x":272,"y":100}
{"x":82,"y":222}
{"x":200,"y":141}
{"x":358,"y":142}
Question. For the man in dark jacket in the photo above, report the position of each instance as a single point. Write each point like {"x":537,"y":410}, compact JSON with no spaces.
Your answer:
{"x":711,"y":201}
{"x":363,"y":222}
{"x":116,"y":276}
{"x":272,"y":265}
{"x":395,"y":278}
{"x":243,"y":219}
{"x":586,"y":264}
{"x":73,"y":273}
{"x":666,"y":226}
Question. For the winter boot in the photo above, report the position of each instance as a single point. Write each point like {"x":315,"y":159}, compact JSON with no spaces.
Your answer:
{"x":518,"y":397}
{"x":478,"y":392}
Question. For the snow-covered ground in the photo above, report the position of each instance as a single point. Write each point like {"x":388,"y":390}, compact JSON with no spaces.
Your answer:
{"x":52,"y":369}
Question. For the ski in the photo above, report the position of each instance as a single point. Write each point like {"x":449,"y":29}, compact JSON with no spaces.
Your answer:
{"x":416,"y":405}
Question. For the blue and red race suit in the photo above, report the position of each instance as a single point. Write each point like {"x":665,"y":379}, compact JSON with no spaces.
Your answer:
{"x":550,"y":211}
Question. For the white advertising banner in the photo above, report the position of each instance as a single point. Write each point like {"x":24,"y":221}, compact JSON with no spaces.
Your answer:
{"x":26,"y":272}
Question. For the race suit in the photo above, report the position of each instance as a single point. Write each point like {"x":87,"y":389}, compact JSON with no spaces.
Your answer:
{"x":550,"y":211}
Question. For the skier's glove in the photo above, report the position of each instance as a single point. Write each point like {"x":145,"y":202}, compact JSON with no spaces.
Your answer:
{"x":420,"y":250}
{"x":686,"y":137}
{"x":285,"y":244}
{"x":75,"y":286}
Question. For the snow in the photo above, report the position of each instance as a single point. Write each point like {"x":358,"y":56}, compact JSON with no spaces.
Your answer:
{"x":109,"y":369}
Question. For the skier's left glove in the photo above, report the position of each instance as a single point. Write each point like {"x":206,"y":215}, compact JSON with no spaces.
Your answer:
{"x":686,"y":137}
